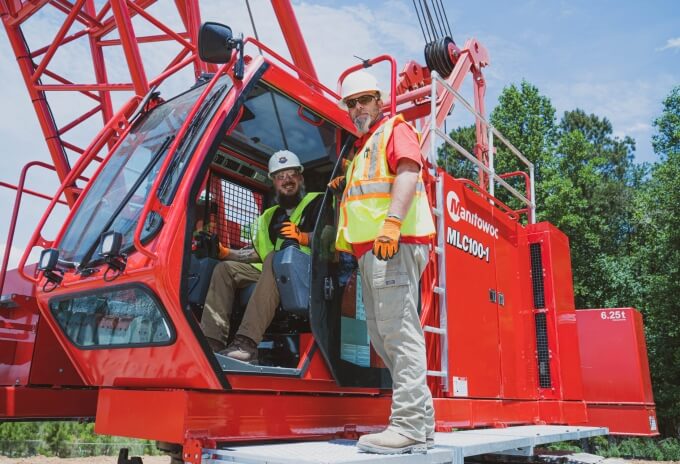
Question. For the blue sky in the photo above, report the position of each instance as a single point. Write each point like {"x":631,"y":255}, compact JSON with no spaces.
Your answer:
{"x":615,"y":59}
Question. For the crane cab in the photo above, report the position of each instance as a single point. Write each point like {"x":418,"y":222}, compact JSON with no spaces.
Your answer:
{"x":130,"y":316}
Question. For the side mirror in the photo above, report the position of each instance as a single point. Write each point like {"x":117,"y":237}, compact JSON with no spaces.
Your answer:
{"x":215,"y":43}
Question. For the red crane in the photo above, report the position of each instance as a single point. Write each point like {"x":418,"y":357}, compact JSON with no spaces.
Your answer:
{"x":114,"y":336}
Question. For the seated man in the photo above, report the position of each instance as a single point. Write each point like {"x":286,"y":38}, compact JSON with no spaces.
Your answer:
{"x":292,"y":218}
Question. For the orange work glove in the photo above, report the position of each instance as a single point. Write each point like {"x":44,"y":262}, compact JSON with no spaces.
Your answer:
{"x":223,"y":251}
{"x":337,"y":185}
{"x":290,"y":230}
{"x":386,"y":245}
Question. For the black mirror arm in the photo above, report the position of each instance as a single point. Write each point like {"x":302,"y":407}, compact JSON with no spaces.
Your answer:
{"x":239,"y":67}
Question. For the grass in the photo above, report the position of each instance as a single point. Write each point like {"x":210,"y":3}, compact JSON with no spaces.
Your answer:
{"x":654,"y":449}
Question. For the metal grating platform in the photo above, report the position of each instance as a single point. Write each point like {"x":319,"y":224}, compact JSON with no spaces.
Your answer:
{"x":449,"y":447}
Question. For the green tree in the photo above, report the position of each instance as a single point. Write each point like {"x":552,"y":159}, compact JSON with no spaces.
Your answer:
{"x":667,"y":140}
{"x":454,"y":163}
{"x":589,"y":189}
{"x":657,"y":263}
{"x":527,"y":119}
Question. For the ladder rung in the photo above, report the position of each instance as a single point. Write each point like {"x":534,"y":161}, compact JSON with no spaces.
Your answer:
{"x":438,"y":250}
{"x":436,"y":330}
{"x":437,"y":212}
{"x":439,"y":290}
{"x":436,"y":373}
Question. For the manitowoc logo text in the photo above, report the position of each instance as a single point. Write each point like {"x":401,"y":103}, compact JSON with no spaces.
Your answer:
{"x":457,"y":212}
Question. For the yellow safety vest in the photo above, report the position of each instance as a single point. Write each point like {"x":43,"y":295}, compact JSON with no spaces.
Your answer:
{"x":262,"y":243}
{"x":367,"y":197}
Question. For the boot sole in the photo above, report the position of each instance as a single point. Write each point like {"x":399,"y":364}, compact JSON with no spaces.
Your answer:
{"x":419,"y":448}
{"x":255,"y":362}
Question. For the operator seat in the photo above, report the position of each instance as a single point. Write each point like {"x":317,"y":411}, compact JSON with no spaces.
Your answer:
{"x":280,"y":345}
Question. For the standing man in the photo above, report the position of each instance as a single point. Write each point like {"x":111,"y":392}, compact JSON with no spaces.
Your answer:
{"x":292,"y":218}
{"x":385,"y":221}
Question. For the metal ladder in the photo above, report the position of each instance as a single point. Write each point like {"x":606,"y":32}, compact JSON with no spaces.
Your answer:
{"x":439,"y":289}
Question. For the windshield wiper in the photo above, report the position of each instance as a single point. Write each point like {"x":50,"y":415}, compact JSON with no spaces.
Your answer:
{"x":180,"y":154}
{"x":142,"y":177}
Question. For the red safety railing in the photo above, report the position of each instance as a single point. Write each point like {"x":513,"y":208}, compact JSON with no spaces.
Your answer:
{"x":371,"y":62}
{"x":112,"y":131}
{"x":20,"y":190}
{"x":527,"y":188}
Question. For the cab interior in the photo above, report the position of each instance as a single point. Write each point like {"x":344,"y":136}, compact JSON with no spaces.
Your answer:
{"x":238,"y":190}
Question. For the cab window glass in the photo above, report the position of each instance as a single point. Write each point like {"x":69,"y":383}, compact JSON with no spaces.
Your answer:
{"x":272,"y":121}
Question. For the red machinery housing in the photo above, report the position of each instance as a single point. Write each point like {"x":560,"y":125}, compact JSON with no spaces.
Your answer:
{"x":122,"y":345}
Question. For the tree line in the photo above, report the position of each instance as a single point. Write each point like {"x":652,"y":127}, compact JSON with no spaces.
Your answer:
{"x":622,"y":217}
{"x":65,"y":440}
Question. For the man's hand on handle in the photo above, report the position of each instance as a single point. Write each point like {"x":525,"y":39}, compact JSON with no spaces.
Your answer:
{"x":337,"y":185}
{"x":291,"y":231}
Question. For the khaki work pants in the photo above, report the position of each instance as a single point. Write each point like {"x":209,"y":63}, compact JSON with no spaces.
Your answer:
{"x":227,"y":277}
{"x":390,"y":294}
{"x":262,"y":305}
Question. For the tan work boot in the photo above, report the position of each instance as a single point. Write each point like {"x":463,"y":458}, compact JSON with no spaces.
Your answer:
{"x":242,"y":349}
{"x":215,"y":345}
{"x":390,"y":442}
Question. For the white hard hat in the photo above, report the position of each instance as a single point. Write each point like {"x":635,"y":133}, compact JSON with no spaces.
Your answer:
{"x":283,"y":159}
{"x":359,"y":82}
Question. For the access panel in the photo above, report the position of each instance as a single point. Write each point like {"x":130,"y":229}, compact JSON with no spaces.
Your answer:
{"x":472,"y":321}
{"x":517,"y":343}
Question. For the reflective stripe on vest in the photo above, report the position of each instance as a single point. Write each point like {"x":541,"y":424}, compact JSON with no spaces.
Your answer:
{"x":367,"y":197}
{"x":262,"y":243}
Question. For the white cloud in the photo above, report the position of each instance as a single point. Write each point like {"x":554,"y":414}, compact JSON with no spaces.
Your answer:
{"x":671,"y":44}
{"x":638,"y":128}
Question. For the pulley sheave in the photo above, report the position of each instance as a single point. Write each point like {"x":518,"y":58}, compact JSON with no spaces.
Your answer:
{"x":439,"y":55}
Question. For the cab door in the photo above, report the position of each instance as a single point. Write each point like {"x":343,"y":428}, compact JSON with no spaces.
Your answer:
{"x":337,"y":313}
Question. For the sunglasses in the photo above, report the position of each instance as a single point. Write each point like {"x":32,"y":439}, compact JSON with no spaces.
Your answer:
{"x":364,"y":100}
{"x":290,"y":174}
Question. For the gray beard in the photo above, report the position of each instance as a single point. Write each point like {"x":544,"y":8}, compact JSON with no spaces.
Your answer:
{"x":362,"y":123}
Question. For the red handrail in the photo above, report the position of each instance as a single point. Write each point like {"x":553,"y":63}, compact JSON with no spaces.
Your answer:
{"x":512,"y":214}
{"x":15,"y":212}
{"x":90,"y":154}
{"x":293,"y":67}
{"x":527,"y":181}
{"x":371,"y":62}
